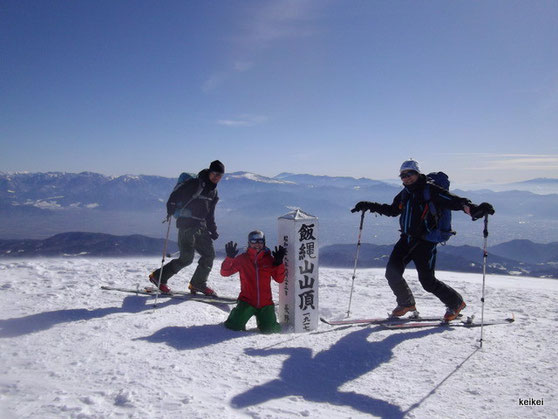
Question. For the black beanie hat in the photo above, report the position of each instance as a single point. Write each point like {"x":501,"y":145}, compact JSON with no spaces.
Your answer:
{"x":217,"y":166}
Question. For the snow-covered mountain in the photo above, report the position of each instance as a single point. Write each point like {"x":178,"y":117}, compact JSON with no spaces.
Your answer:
{"x":248,"y":176}
{"x":59,"y":191}
{"x":71,"y":350}
{"x":328,"y":181}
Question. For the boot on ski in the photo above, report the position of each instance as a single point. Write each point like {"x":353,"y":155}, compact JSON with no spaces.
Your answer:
{"x":155,"y":281}
{"x":205,"y":290}
{"x":402,"y":310}
{"x":452,"y":313}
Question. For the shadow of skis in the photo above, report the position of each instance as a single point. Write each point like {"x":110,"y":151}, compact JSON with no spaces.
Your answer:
{"x":43,"y":321}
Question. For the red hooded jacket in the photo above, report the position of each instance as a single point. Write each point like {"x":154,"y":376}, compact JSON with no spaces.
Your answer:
{"x":256,"y":270}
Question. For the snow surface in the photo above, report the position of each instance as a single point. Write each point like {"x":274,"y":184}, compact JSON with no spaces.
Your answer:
{"x":69,"y":349}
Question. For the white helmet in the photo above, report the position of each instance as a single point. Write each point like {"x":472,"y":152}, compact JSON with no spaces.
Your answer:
{"x":256,"y":236}
{"x":409,"y":165}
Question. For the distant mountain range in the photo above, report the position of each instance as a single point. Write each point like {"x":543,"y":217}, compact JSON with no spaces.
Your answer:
{"x":539,"y":180}
{"x":40,"y":205}
{"x":537,"y":185}
{"x":86,"y":244}
{"x":506,"y":258}
{"x":528,"y":252}
{"x":518,"y":257}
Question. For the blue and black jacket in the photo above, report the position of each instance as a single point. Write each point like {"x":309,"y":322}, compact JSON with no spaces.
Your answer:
{"x":416,"y":220}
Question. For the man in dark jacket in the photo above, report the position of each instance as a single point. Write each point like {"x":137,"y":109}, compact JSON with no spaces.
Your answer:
{"x":416,"y":221}
{"x":193,"y":203}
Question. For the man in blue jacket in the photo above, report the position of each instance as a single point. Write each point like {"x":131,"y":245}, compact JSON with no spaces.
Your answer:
{"x":416,"y":221}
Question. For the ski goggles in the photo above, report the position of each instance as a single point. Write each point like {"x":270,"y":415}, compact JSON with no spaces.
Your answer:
{"x":255,"y":241}
{"x":407,"y":174}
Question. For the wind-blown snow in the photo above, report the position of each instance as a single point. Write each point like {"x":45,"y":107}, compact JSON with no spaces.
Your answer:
{"x":69,"y":349}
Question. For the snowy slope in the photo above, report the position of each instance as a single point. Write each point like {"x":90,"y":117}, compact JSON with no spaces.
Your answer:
{"x":69,"y":349}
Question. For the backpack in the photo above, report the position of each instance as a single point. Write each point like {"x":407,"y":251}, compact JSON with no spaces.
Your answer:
{"x":443,"y":231}
{"x":181,"y":210}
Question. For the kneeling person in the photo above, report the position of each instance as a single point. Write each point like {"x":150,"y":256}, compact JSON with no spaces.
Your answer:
{"x":256,"y":267}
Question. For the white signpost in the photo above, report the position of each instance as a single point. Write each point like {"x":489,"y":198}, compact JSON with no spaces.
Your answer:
{"x":298,"y":294}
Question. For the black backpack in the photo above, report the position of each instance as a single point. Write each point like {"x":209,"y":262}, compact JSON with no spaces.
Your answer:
{"x":180,"y":207}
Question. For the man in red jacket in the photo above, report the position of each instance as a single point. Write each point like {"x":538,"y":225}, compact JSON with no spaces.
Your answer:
{"x":256,"y":268}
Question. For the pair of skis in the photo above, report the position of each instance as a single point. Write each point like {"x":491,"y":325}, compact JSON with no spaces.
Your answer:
{"x":416,"y":322}
{"x":182,"y":295}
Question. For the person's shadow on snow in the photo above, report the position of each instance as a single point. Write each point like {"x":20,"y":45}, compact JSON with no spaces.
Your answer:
{"x":318,"y":378}
{"x":43,"y":321}
{"x":193,"y":337}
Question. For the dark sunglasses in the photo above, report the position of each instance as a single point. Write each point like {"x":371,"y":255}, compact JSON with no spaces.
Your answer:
{"x":407,"y":174}
{"x":254,"y":241}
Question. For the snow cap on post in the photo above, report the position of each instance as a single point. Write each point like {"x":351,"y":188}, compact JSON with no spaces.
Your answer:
{"x":409,"y":165}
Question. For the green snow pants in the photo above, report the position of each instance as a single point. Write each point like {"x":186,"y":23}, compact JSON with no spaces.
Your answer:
{"x":265,"y":318}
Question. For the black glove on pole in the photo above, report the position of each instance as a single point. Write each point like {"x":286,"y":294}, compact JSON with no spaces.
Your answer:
{"x":481,"y":210}
{"x":356,"y":261}
{"x":364,"y":206}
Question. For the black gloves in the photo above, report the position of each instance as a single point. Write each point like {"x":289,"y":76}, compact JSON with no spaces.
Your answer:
{"x":360,"y":206}
{"x":366,"y":206}
{"x":479,"y":211}
{"x":171,"y":208}
{"x":231,"y":250}
{"x":214,"y":235}
{"x":278,"y":255}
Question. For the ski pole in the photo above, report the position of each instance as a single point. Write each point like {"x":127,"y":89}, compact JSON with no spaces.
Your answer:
{"x":163,"y":260}
{"x":356,"y":261}
{"x":485,"y":256}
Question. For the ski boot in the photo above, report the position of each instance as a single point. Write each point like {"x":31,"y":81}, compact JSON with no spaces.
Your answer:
{"x":452,"y":313}
{"x":402,"y":310}
{"x":205,"y":290}
{"x":155,"y":281}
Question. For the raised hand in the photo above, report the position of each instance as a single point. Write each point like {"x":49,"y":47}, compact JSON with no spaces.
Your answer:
{"x":230,"y":249}
{"x":278,"y":255}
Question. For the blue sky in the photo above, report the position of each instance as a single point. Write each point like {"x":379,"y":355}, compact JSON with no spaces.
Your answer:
{"x":343,"y":88}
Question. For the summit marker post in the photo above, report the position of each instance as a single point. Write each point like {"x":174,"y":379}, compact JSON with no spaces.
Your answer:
{"x":298,"y":294}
